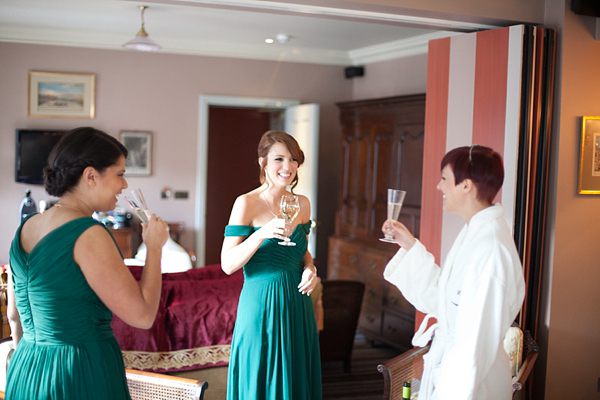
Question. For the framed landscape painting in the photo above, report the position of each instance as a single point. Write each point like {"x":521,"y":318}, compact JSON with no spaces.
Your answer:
{"x":61,"y":95}
{"x":589,"y":157}
{"x":139,"y":157}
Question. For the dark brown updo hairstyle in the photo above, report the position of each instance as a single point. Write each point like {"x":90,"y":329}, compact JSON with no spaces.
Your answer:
{"x":482,"y":165}
{"x":267,"y":141}
{"x":78,"y":149}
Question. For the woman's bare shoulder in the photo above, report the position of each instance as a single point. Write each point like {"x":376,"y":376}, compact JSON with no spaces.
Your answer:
{"x":245,"y":208}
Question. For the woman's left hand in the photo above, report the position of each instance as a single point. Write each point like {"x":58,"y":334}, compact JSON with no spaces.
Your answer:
{"x":309,"y":280}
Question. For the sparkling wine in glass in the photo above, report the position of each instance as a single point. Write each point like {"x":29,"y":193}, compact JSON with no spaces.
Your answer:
{"x":395,"y":200}
{"x":289,"y":207}
{"x":138,"y":205}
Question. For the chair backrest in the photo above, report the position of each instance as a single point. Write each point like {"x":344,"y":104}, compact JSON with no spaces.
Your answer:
{"x":150,"y":386}
{"x":342,"y":301}
{"x":407,"y":367}
{"x":530,"y":354}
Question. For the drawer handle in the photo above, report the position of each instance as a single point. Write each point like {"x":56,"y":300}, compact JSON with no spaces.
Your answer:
{"x":373,"y":292}
{"x":392,"y":329}
{"x":373,"y":265}
{"x":370,"y":318}
{"x":394,"y":299}
{"x":353,"y":260}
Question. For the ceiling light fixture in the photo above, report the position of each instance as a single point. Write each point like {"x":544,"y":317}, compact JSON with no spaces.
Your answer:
{"x":283,"y":38}
{"x":141,"y":41}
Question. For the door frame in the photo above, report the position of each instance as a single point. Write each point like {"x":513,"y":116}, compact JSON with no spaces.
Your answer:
{"x":202,"y":154}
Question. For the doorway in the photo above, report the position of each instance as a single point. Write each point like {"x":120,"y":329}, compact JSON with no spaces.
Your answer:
{"x":233,"y":136}
{"x":201,"y":212}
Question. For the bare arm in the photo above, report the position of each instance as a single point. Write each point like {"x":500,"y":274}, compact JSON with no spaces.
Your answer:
{"x":309,"y":274}
{"x":111,"y":280}
{"x":14,"y":319}
{"x":236,"y":251}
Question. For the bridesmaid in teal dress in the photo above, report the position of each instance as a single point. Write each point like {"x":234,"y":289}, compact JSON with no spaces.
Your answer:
{"x":66,"y":275}
{"x":275,"y":349}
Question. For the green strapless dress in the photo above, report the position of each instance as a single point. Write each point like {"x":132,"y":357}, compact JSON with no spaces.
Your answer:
{"x":68,"y":350}
{"x":275,"y":347}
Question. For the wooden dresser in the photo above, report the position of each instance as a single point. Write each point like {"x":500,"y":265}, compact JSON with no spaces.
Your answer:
{"x":128,"y":239}
{"x":382,"y":147}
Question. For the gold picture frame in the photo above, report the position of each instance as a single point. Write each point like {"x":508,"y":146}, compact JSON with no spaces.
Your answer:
{"x":139,"y":157}
{"x":589,"y":158}
{"x":61,"y":95}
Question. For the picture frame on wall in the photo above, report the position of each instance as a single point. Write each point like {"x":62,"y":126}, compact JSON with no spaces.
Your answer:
{"x":589,"y":158}
{"x":61,"y":95}
{"x":139,"y":157}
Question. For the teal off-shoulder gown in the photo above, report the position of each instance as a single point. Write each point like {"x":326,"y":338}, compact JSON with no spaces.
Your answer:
{"x":275,"y":348}
{"x":68,"y":350}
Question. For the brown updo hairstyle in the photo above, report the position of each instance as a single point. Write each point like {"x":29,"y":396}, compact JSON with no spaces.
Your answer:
{"x":78,"y":149}
{"x":482,"y":165}
{"x":267,"y":141}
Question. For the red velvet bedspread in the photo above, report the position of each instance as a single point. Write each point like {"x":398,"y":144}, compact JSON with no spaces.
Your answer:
{"x":193,"y":326}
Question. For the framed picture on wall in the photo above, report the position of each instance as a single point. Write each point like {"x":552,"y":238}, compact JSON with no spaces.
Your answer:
{"x":139,"y":147}
{"x":61,"y":95}
{"x":589,"y":158}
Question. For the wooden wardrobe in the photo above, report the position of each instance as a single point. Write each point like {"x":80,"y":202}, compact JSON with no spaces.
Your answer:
{"x":382,"y":147}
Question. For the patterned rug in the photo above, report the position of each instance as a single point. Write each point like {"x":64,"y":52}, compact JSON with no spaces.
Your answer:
{"x":363,"y":381}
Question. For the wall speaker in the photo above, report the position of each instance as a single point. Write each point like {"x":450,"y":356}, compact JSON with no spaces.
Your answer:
{"x":352,"y":72}
{"x":586,"y":7}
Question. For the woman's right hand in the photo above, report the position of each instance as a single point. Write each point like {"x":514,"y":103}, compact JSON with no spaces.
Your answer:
{"x":399,"y":232}
{"x":275,"y":228}
{"x":155,"y":233}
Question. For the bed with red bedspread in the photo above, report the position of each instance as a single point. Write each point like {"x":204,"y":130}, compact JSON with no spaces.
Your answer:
{"x":193,"y":325}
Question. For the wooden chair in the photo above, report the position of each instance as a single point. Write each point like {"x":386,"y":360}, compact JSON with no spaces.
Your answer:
{"x":408,"y":367}
{"x":341,"y":307}
{"x":150,"y":386}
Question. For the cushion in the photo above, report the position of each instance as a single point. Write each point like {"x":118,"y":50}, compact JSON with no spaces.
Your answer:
{"x":513,"y":345}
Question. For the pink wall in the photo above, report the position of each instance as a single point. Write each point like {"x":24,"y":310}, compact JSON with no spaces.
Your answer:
{"x":160,"y":93}
{"x":392,"y":78}
{"x":571,"y":292}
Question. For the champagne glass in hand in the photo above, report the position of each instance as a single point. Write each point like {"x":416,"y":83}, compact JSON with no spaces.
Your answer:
{"x":395,"y":200}
{"x":289,"y":207}
{"x":138,"y":204}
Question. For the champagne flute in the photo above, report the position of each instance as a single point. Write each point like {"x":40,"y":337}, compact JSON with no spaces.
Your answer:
{"x":394,"y":205}
{"x":289,"y":207}
{"x":138,"y":204}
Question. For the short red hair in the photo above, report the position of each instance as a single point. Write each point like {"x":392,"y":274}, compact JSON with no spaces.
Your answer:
{"x":482,"y":165}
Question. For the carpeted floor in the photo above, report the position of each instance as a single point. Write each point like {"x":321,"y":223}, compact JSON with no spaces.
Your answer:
{"x":362,"y":382}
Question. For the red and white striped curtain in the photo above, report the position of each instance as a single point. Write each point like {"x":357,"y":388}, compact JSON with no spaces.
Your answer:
{"x":493,"y":88}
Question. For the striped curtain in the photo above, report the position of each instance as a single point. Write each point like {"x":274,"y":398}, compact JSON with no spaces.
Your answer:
{"x":492,"y":88}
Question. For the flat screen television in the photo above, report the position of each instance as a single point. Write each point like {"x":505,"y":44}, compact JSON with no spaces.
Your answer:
{"x":32,"y":149}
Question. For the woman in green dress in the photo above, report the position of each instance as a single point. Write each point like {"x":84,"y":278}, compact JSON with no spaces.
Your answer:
{"x":67,"y":275}
{"x":275,"y":349}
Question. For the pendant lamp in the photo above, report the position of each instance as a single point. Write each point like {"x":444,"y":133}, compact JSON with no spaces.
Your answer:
{"x":141,"y":41}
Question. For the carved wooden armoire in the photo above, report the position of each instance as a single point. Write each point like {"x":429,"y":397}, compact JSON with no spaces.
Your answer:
{"x":382,"y":147}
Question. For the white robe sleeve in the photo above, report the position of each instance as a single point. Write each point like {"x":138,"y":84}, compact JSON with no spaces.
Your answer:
{"x":416,"y":274}
{"x":485,"y":313}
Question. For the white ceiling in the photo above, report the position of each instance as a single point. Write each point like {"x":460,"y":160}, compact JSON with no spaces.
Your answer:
{"x":227,"y":28}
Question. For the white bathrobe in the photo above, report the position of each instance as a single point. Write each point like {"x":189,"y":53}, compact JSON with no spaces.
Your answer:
{"x":475,"y":298}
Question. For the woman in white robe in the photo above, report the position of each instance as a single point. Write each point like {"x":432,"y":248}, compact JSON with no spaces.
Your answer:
{"x":477,"y":294}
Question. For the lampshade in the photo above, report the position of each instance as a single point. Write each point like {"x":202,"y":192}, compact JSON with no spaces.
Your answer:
{"x":141,"y":41}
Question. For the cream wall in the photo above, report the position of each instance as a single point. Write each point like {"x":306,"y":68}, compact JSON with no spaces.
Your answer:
{"x":160,"y":93}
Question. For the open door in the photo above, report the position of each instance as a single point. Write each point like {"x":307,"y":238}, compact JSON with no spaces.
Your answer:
{"x":302,"y":122}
